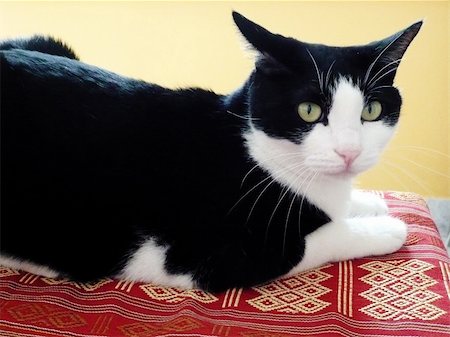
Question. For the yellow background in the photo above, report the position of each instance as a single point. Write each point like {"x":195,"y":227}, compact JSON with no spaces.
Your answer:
{"x":179,"y":44}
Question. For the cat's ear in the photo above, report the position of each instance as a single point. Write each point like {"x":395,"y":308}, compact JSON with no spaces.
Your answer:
{"x":273,"y":50}
{"x":394,"y":47}
{"x":391,"y":49}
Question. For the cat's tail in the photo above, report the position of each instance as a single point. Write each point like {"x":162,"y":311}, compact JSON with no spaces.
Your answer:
{"x":43,"y":44}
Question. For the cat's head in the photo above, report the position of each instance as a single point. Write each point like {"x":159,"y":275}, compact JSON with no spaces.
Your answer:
{"x":321,"y":109}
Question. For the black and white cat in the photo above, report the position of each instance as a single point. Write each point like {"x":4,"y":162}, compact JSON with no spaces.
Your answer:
{"x":107,"y":176}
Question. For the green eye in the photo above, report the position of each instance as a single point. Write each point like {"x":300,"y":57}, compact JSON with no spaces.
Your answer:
{"x":371,"y":111}
{"x":309,"y":112}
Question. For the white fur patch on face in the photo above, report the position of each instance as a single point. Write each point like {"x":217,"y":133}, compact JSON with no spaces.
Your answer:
{"x":346,"y":146}
{"x":329,"y":156}
{"x":285,"y":162}
{"x":27,"y":266}
{"x":147,"y":265}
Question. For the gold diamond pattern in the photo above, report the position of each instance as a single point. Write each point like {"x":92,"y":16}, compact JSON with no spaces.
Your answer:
{"x":408,"y":196}
{"x":5,"y":272}
{"x":175,"y":295}
{"x":399,"y":290}
{"x":46,"y":315}
{"x":298,"y":294}
{"x":87,"y":286}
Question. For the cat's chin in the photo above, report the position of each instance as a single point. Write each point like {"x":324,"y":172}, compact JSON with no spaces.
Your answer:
{"x":342,"y":174}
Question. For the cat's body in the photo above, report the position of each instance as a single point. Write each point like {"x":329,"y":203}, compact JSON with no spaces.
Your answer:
{"x":105,"y":176}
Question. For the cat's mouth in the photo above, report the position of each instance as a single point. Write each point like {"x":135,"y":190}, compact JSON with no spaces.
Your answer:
{"x":333,"y":167}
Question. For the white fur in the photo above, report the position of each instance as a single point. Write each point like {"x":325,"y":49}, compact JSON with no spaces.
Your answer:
{"x":274,"y":155}
{"x":352,"y":238}
{"x":345,"y":133}
{"x":315,"y":169}
{"x":366,"y":204}
{"x":148,"y":265}
{"x":27,"y":266}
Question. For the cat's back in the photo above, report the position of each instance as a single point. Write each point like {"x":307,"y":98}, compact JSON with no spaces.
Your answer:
{"x":69,"y":94}
{"x":104,"y":158}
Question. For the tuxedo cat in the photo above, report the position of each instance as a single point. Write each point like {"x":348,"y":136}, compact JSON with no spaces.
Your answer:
{"x":107,"y":176}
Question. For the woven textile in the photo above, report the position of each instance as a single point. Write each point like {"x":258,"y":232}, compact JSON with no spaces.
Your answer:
{"x":403,"y":294}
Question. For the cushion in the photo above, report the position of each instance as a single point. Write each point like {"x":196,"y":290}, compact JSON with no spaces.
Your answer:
{"x":406,"y":293}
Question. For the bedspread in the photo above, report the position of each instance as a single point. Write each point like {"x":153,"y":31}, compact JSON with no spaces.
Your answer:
{"x":406,"y":293}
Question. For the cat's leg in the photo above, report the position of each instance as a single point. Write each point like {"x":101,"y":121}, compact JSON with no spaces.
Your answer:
{"x":366,"y":204}
{"x":352,"y":238}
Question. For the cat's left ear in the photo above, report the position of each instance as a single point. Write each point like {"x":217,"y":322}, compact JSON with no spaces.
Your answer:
{"x":274,"y":50}
{"x":392,"y":48}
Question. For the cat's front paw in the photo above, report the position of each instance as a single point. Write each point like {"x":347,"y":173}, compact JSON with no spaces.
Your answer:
{"x":386,"y":235}
{"x":367,"y":204}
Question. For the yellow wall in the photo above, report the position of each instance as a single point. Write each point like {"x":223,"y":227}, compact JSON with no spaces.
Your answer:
{"x":196,"y":44}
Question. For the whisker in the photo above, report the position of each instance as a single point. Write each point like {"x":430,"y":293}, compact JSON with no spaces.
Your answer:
{"x":327,"y":78}
{"x":319,"y":78}
{"x":290,"y":155}
{"x":242,"y":117}
{"x":379,"y":78}
{"x":301,"y":203}
{"x":278,"y":204}
{"x":279,"y":174}
{"x":381,"y":87}
{"x":411,"y":176}
{"x":382,"y":69}
{"x":275,"y":209}
{"x":397,"y":179}
{"x":248,"y":192}
{"x":248,"y":173}
{"x":274,"y":179}
{"x":294,"y":197}
{"x":259,"y":197}
{"x":377,"y":58}
{"x":425,"y":167}
{"x":421,"y":149}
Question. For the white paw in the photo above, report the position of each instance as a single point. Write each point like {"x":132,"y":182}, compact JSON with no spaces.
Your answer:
{"x":367,"y":204}
{"x":383,"y":234}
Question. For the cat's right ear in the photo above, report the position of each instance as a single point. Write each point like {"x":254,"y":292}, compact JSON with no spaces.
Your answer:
{"x":273,"y":50}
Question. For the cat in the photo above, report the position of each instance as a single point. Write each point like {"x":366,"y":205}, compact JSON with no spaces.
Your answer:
{"x":108,"y":176}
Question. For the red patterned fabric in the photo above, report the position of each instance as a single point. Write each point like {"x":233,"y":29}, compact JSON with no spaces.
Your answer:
{"x":403,"y":294}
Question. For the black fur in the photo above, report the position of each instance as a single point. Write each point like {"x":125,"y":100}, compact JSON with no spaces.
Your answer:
{"x":41,"y":44}
{"x":94,"y":163}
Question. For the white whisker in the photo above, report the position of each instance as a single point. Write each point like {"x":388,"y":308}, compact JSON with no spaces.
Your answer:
{"x":259,"y":197}
{"x":424,"y":167}
{"x":289,"y":155}
{"x":319,"y":78}
{"x":249,"y":172}
{"x":379,"y":78}
{"x":301,"y":202}
{"x":382,"y":69}
{"x":242,"y":117}
{"x":396,"y":178}
{"x":421,"y":149}
{"x":411,"y":176}
{"x":279,"y":174}
{"x":381,"y":87}
{"x":366,"y":78}
{"x":294,"y":197}
{"x":327,"y":78}
{"x":248,"y":192}
{"x":278,"y":204}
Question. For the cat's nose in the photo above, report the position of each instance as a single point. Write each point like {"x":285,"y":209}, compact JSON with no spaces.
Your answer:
{"x":349,"y":155}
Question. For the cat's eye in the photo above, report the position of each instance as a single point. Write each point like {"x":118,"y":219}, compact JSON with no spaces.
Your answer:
{"x":371,"y":111}
{"x":309,"y":112}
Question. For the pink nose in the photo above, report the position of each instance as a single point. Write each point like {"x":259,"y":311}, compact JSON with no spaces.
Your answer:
{"x":348,"y":155}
